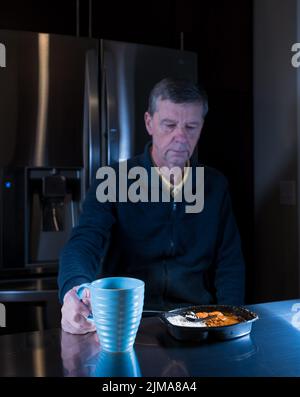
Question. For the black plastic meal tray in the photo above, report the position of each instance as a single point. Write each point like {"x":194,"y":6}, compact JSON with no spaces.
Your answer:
{"x":242,"y":328}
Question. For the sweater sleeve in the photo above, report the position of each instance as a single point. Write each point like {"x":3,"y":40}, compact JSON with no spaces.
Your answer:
{"x":230,"y":267}
{"x":81,"y":256}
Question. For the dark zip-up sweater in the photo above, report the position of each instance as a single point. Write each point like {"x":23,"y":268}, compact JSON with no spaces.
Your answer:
{"x":184,"y":258}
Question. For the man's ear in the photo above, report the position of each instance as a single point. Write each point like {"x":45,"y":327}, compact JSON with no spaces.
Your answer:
{"x":148,"y":122}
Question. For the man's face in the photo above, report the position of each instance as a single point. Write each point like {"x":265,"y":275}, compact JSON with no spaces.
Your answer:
{"x":175,"y":130}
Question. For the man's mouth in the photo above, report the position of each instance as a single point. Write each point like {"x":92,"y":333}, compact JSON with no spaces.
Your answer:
{"x":179,"y":152}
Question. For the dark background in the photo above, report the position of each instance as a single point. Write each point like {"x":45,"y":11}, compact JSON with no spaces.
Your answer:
{"x":220,"y":31}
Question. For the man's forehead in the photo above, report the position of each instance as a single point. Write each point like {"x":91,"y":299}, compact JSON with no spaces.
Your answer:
{"x":168,"y":109}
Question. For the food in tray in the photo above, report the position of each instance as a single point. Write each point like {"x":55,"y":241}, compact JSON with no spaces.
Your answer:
{"x":217,"y":318}
{"x":204,"y":319}
{"x":182,"y":321}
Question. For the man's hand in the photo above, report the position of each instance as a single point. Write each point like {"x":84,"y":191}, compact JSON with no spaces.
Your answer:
{"x":74,"y":313}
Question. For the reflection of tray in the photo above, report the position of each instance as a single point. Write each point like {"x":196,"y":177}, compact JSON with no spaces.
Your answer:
{"x":201,"y":333}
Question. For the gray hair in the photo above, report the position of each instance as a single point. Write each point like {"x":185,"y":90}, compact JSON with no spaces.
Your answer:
{"x":177,"y":91}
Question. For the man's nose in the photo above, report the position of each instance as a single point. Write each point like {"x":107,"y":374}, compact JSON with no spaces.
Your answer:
{"x":180,"y":134}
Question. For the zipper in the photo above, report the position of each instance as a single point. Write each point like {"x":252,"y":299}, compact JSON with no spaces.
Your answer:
{"x":165,"y":280}
{"x":172,"y":246}
{"x":173,"y":214}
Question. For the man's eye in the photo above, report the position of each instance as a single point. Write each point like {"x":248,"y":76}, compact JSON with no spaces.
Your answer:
{"x":191,"y":130}
{"x":170,"y":125}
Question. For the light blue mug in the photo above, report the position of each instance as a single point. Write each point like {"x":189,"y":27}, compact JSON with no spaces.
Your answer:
{"x":117,"y":307}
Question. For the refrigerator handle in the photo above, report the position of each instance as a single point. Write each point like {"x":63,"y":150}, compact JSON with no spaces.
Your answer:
{"x":91,"y":125}
{"x":104,"y":118}
{"x":113,"y":95}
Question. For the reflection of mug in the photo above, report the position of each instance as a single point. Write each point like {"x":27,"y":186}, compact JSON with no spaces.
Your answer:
{"x":116,"y":364}
{"x":117,"y":306}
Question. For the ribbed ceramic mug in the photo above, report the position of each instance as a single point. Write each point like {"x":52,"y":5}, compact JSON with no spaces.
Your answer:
{"x":117,"y":306}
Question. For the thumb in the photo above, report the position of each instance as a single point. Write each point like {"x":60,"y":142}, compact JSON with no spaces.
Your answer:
{"x":87,"y":303}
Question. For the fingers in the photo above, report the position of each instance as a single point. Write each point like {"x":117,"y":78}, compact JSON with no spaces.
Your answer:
{"x":75,"y":313}
{"x":77,"y":328}
{"x":87,"y":303}
{"x":76,"y":321}
{"x":86,"y":299}
{"x":75,"y":303}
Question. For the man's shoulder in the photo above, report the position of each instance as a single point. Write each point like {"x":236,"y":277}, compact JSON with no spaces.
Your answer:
{"x":214,"y":174}
{"x":131,"y":162}
{"x":214,"y":179}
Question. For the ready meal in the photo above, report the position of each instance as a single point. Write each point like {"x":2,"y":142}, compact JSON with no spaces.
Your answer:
{"x":217,"y":319}
{"x":197,"y":323}
{"x":204,"y":319}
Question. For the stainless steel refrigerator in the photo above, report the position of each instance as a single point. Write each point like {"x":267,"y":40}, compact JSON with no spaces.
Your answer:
{"x":67,"y":106}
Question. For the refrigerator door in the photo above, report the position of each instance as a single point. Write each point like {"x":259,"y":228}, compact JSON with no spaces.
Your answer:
{"x":42,"y":99}
{"x":129,"y":71}
{"x":49,"y":141}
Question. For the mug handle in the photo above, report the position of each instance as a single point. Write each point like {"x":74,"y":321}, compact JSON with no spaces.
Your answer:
{"x":79,"y":293}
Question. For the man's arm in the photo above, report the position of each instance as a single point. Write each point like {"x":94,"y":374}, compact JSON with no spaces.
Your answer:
{"x":230,"y":267}
{"x":80,"y":258}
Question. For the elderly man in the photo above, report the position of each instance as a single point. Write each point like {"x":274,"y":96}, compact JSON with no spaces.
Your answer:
{"x":185,"y":258}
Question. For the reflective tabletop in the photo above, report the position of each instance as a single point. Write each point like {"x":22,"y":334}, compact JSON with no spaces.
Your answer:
{"x":272,"y":349}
